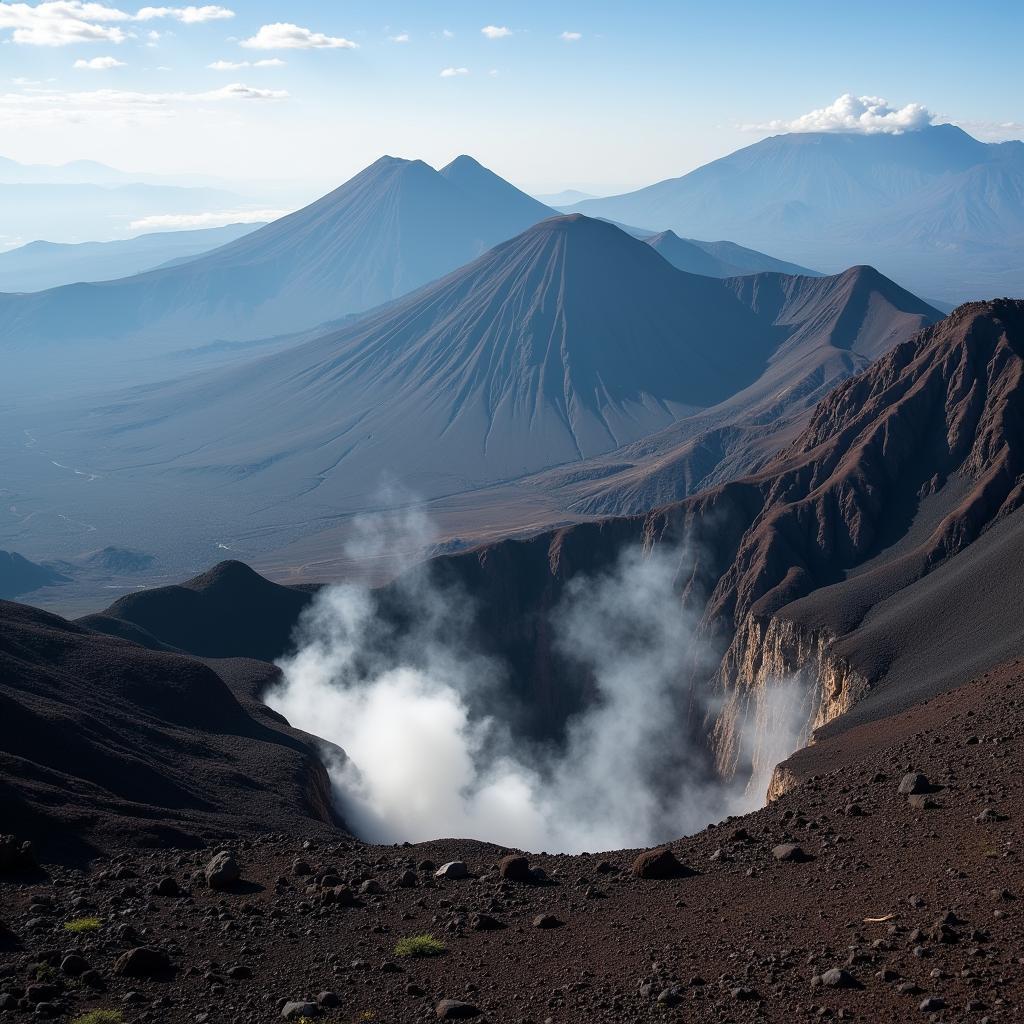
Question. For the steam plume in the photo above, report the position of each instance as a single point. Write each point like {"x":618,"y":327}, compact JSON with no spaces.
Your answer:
{"x":424,"y":761}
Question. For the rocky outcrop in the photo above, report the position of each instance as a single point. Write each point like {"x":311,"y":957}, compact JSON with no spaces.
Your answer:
{"x":783,"y":566}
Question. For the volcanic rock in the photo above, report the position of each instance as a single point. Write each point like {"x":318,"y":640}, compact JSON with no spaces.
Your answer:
{"x":661,"y":863}
{"x":222,"y":871}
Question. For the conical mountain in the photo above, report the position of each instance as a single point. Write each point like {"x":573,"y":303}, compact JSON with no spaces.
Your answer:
{"x":392,"y":228}
{"x":567,"y":341}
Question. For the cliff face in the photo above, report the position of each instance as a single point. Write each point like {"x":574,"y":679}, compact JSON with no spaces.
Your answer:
{"x":900,"y":469}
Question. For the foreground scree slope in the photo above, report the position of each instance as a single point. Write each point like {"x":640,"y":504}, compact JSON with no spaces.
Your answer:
{"x":896,"y":908}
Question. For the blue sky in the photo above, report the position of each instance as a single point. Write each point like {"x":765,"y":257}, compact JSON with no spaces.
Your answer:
{"x":591,"y":94}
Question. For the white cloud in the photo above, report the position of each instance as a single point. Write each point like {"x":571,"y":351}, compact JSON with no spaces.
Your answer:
{"x":447,"y":33}
{"x":496,"y":31}
{"x":181,"y":221}
{"x":571,"y":37}
{"x":64,"y":22}
{"x":98,"y":64}
{"x":235,"y":65}
{"x":402,"y":37}
{"x":186,"y":15}
{"x":54,"y":107}
{"x":868,"y":115}
{"x":454,"y":72}
{"x":285,"y":36}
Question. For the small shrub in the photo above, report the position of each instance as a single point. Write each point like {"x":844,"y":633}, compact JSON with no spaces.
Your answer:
{"x":46,"y":974}
{"x":83,"y":924}
{"x":100,"y":1017}
{"x":419,"y":945}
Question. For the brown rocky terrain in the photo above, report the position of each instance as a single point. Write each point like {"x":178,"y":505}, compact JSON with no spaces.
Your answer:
{"x":843,"y":899}
{"x":105,"y":741}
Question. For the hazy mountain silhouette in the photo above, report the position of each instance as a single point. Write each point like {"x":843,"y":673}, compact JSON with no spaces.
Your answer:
{"x":936,"y":209}
{"x":41,"y":265}
{"x":393,"y":227}
{"x":718,"y":259}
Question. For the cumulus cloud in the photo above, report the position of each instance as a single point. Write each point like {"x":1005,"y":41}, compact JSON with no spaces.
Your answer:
{"x":496,"y":31}
{"x":98,"y":64}
{"x":402,"y":37}
{"x":454,"y":72}
{"x":571,"y":37}
{"x":868,"y":115}
{"x":186,"y":15}
{"x":283,"y":35}
{"x":236,"y":65}
{"x":210,"y":219}
{"x":64,"y":22}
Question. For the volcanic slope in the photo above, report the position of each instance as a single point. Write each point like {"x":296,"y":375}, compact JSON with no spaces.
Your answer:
{"x":827,"y":329}
{"x":568,"y":341}
{"x":103,"y":740}
{"x":393,"y":227}
{"x":872,"y":563}
{"x":573,"y":345}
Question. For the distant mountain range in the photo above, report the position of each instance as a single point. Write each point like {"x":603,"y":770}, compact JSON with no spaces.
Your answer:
{"x":935,"y":209}
{"x":719,"y":259}
{"x":571,"y":360}
{"x":393,"y":227}
{"x":41,"y":265}
{"x":91,"y":172}
{"x":389,"y":230}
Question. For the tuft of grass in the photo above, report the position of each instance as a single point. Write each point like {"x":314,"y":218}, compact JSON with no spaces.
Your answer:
{"x":100,"y":1017}
{"x":419,"y":945}
{"x":83,"y":924}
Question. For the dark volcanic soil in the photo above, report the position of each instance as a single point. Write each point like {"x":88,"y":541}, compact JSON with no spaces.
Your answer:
{"x":920,"y":906}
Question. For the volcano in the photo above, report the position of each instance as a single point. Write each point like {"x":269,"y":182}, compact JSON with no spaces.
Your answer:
{"x":393,"y":227}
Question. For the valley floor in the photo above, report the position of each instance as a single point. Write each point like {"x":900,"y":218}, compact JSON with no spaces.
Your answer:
{"x":920,"y":906}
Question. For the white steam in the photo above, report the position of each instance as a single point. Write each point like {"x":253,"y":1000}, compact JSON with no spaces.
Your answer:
{"x":868,"y":115}
{"x":424,"y":761}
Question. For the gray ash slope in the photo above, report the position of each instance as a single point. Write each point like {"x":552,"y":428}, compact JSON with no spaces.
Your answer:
{"x":936,"y":208}
{"x":826,"y":329}
{"x":393,"y":227}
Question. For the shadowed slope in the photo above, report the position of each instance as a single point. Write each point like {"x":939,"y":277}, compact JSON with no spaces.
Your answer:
{"x":102,"y":739}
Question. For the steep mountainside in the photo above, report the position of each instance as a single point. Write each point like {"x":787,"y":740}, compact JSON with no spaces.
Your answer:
{"x":391,"y":228}
{"x":104,"y":741}
{"x":827,"y":329}
{"x":936,"y":209}
{"x":898,"y":508}
{"x":565,"y":342}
